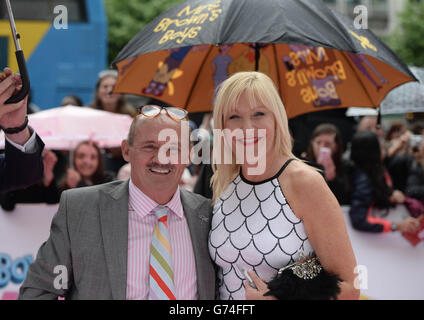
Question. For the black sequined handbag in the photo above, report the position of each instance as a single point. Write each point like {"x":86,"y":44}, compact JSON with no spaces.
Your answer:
{"x":304,"y":280}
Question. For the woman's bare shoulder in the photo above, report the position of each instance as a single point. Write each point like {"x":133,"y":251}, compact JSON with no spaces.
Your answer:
{"x":304,"y":187}
{"x":298,"y":173}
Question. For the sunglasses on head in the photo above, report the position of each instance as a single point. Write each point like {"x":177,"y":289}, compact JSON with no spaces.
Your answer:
{"x":151,"y":111}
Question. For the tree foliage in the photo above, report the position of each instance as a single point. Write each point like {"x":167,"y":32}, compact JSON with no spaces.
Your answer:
{"x":127,"y":18}
{"x":408,"y":40}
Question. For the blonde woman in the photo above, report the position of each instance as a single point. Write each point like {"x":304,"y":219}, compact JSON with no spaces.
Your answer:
{"x":263,"y":222}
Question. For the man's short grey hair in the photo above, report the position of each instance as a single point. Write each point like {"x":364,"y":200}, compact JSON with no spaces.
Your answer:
{"x":131,"y":132}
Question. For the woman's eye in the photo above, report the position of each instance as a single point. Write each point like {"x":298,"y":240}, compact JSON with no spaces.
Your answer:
{"x":234,"y":116}
{"x":259,"y":114}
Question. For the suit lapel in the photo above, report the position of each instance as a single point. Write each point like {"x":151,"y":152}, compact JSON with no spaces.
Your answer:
{"x":198,"y":224}
{"x":114,"y":224}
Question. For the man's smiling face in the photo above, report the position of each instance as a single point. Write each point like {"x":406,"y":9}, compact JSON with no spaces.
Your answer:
{"x":148,"y":173}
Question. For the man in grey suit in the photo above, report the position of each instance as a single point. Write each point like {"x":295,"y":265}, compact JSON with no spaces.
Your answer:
{"x":89,"y":254}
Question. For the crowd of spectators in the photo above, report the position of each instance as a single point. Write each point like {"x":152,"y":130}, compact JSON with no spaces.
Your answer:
{"x":373,"y":173}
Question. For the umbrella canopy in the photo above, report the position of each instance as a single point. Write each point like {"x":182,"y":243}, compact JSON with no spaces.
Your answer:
{"x":316,"y":57}
{"x":64,"y":128}
{"x":407,"y":98}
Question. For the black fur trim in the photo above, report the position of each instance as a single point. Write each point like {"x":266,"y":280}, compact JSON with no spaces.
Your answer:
{"x":289,"y":286}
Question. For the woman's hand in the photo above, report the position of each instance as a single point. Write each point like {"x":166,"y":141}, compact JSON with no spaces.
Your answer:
{"x":409,"y":225}
{"x":397,"y":197}
{"x":262,"y":288}
{"x":72,"y":178}
{"x":330,"y":169}
{"x":329,"y":166}
{"x":49,"y":161}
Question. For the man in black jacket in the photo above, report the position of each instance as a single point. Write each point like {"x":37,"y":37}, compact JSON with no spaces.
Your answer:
{"x":21,"y":165}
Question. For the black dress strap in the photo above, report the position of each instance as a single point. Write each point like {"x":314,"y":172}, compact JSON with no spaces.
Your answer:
{"x":267,"y":180}
{"x":284,"y":166}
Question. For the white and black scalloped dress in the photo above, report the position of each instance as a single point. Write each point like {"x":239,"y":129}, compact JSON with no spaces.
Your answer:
{"x":253,"y":227}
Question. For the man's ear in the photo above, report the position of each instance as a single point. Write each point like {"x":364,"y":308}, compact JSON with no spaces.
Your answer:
{"x":125,"y":150}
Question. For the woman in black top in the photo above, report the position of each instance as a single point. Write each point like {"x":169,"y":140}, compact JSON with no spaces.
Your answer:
{"x":372,"y":189}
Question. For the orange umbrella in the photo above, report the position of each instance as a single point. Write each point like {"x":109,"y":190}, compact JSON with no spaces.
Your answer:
{"x":336,"y":67}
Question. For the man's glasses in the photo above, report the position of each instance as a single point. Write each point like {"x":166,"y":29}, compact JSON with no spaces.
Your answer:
{"x":151,"y":111}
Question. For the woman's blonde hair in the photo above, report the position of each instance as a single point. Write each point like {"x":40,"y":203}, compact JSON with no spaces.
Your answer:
{"x":260,"y":89}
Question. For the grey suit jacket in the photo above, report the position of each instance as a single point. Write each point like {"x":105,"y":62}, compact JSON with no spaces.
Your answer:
{"x":89,"y":237}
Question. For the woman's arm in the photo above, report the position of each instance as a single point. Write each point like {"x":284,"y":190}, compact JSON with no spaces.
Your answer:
{"x":361,"y":203}
{"x":313,"y":202}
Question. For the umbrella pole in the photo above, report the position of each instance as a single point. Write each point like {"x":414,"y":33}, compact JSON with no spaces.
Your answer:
{"x":19,"y":58}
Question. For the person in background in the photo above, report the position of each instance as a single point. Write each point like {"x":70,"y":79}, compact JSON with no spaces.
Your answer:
{"x":21,"y":165}
{"x":372,"y":193}
{"x":105,"y":100}
{"x":399,"y":157}
{"x":205,"y":172}
{"x":415,"y":180}
{"x":326,"y":149}
{"x":88,"y":168}
{"x":367,"y":123}
{"x":72,"y":100}
{"x":124,"y":173}
{"x":370,"y":123}
{"x":397,"y":139}
{"x":44,"y":191}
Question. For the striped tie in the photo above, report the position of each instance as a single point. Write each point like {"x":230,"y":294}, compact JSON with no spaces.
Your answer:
{"x":161,"y":274}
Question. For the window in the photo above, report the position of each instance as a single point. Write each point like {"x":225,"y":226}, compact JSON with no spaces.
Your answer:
{"x":43,"y":10}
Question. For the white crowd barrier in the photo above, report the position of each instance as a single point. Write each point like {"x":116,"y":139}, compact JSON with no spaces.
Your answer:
{"x":389,"y":267}
{"x":22,"y":232}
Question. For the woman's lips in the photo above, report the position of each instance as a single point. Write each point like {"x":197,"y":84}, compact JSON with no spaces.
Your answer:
{"x":249,"y":141}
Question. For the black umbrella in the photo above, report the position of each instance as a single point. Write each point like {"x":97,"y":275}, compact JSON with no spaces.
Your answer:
{"x":315,"y":55}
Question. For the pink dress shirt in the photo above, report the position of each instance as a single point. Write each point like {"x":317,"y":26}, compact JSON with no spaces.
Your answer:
{"x":141,"y":224}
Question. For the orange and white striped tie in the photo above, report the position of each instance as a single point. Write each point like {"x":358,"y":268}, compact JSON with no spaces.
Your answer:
{"x":161,"y":274}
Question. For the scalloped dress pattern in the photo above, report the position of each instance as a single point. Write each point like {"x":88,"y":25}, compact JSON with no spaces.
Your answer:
{"x":253,"y":227}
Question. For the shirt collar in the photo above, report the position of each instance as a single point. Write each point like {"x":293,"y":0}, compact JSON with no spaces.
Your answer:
{"x":143,"y":205}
